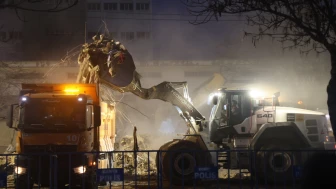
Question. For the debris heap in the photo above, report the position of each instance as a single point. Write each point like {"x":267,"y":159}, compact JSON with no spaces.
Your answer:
{"x":143,"y":159}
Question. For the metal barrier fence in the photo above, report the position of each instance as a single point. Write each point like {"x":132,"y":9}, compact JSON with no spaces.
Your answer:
{"x":162,"y":169}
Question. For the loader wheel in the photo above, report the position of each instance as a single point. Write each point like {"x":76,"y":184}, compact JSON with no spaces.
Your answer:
{"x":179,"y":162}
{"x":274,"y":164}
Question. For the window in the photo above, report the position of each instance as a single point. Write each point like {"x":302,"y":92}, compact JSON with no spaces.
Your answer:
{"x":126,"y":6}
{"x":142,"y":6}
{"x":15,"y":35}
{"x":113,"y":35}
{"x":127,"y":36}
{"x":110,"y":6}
{"x":89,"y":113}
{"x":3,"y":35}
{"x":93,"y":6}
{"x":143,"y":35}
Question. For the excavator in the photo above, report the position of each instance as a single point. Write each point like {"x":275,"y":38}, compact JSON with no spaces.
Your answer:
{"x":239,"y":120}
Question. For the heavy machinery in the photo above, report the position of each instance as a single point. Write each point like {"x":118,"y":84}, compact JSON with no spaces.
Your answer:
{"x":238,"y":121}
{"x":59,"y":118}
{"x":241,"y":123}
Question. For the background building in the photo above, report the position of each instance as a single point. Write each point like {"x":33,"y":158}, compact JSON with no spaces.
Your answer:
{"x":165,"y":47}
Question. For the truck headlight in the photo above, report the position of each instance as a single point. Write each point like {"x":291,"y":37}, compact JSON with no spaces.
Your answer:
{"x":79,"y":170}
{"x":19,"y":170}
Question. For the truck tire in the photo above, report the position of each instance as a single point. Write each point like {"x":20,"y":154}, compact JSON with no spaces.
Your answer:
{"x":22,"y":183}
{"x":179,"y":162}
{"x":274,"y":164}
{"x":91,"y":183}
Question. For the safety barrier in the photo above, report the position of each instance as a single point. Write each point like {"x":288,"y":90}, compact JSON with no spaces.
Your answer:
{"x":163,"y":169}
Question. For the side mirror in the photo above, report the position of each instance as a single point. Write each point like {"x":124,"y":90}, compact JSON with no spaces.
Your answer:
{"x":96,"y":118}
{"x":215,"y":100}
{"x":9,"y":118}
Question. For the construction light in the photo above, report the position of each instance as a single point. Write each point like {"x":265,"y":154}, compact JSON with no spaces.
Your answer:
{"x":212,"y":95}
{"x":256,"y":94}
{"x":80,"y":169}
{"x":71,"y":90}
{"x":19,"y":170}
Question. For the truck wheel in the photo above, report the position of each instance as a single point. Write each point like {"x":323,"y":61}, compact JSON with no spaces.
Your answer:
{"x":22,"y":183}
{"x":275,"y":164}
{"x":179,"y":162}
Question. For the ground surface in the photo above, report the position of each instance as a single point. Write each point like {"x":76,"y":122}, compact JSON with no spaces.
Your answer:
{"x":232,"y":183}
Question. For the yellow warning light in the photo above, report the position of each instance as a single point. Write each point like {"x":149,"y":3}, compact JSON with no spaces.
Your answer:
{"x":71,"y":90}
{"x":300,"y":102}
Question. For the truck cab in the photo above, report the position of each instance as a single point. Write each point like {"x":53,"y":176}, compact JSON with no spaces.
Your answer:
{"x":52,"y":119}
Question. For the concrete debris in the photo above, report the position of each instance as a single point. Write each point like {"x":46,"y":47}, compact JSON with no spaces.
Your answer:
{"x":143,"y":158}
{"x":234,"y":174}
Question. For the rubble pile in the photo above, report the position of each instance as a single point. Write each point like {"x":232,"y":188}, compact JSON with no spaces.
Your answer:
{"x":7,"y":165}
{"x":127,"y":144}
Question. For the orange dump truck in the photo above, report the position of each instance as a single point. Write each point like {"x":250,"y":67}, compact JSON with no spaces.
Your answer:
{"x":60,"y":119}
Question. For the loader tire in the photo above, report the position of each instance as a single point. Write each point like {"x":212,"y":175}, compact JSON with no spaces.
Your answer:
{"x":179,"y":161}
{"x":274,"y":164}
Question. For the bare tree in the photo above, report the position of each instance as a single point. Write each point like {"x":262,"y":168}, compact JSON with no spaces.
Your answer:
{"x":29,"y":5}
{"x":307,"y":25}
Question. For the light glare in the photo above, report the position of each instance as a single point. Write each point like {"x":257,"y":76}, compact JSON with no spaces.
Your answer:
{"x":256,"y":94}
{"x":80,"y":169}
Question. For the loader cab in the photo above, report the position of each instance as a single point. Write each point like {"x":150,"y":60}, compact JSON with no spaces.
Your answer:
{"x":231,"y":106}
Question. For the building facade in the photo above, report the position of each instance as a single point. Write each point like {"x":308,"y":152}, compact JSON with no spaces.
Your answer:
{"x":127,"y":21}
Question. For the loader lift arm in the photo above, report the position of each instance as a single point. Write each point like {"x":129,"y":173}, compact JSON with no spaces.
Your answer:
{"x":108,"y":62}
